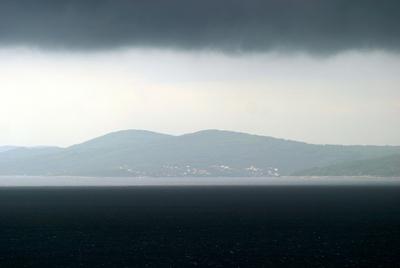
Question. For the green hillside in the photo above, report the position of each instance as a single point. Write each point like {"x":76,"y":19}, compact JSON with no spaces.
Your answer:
{"x":388,"y":166}
{"x":203,"y":153}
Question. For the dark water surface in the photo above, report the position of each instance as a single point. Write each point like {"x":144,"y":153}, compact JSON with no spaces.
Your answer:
{"x":205,"y":226}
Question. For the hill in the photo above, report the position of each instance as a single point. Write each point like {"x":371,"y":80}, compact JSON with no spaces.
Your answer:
{"x":7,"y":148}
{"x":203,"y":153}
{"x":388,"y":166}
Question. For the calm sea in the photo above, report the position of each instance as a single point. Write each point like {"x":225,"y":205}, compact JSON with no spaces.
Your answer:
{"x":199,"y":222}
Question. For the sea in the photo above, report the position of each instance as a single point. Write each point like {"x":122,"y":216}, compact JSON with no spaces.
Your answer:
{"x":199,"y":222}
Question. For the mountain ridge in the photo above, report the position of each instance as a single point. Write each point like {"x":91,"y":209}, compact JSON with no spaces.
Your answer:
{"x":203,"y":153}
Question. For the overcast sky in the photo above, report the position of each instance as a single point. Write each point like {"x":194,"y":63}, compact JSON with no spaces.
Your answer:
{"x":320,"y":71}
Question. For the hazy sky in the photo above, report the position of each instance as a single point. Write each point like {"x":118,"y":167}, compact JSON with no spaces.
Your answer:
{"x":316,"y":71}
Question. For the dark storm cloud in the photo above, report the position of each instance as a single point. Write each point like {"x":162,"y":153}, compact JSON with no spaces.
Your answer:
{"x":323,"y":26}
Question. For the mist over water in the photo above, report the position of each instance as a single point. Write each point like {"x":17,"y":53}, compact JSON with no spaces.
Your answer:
{"x":65,"y":181}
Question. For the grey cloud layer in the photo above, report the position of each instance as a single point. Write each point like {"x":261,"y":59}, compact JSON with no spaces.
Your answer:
{"x":322,"y":26}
